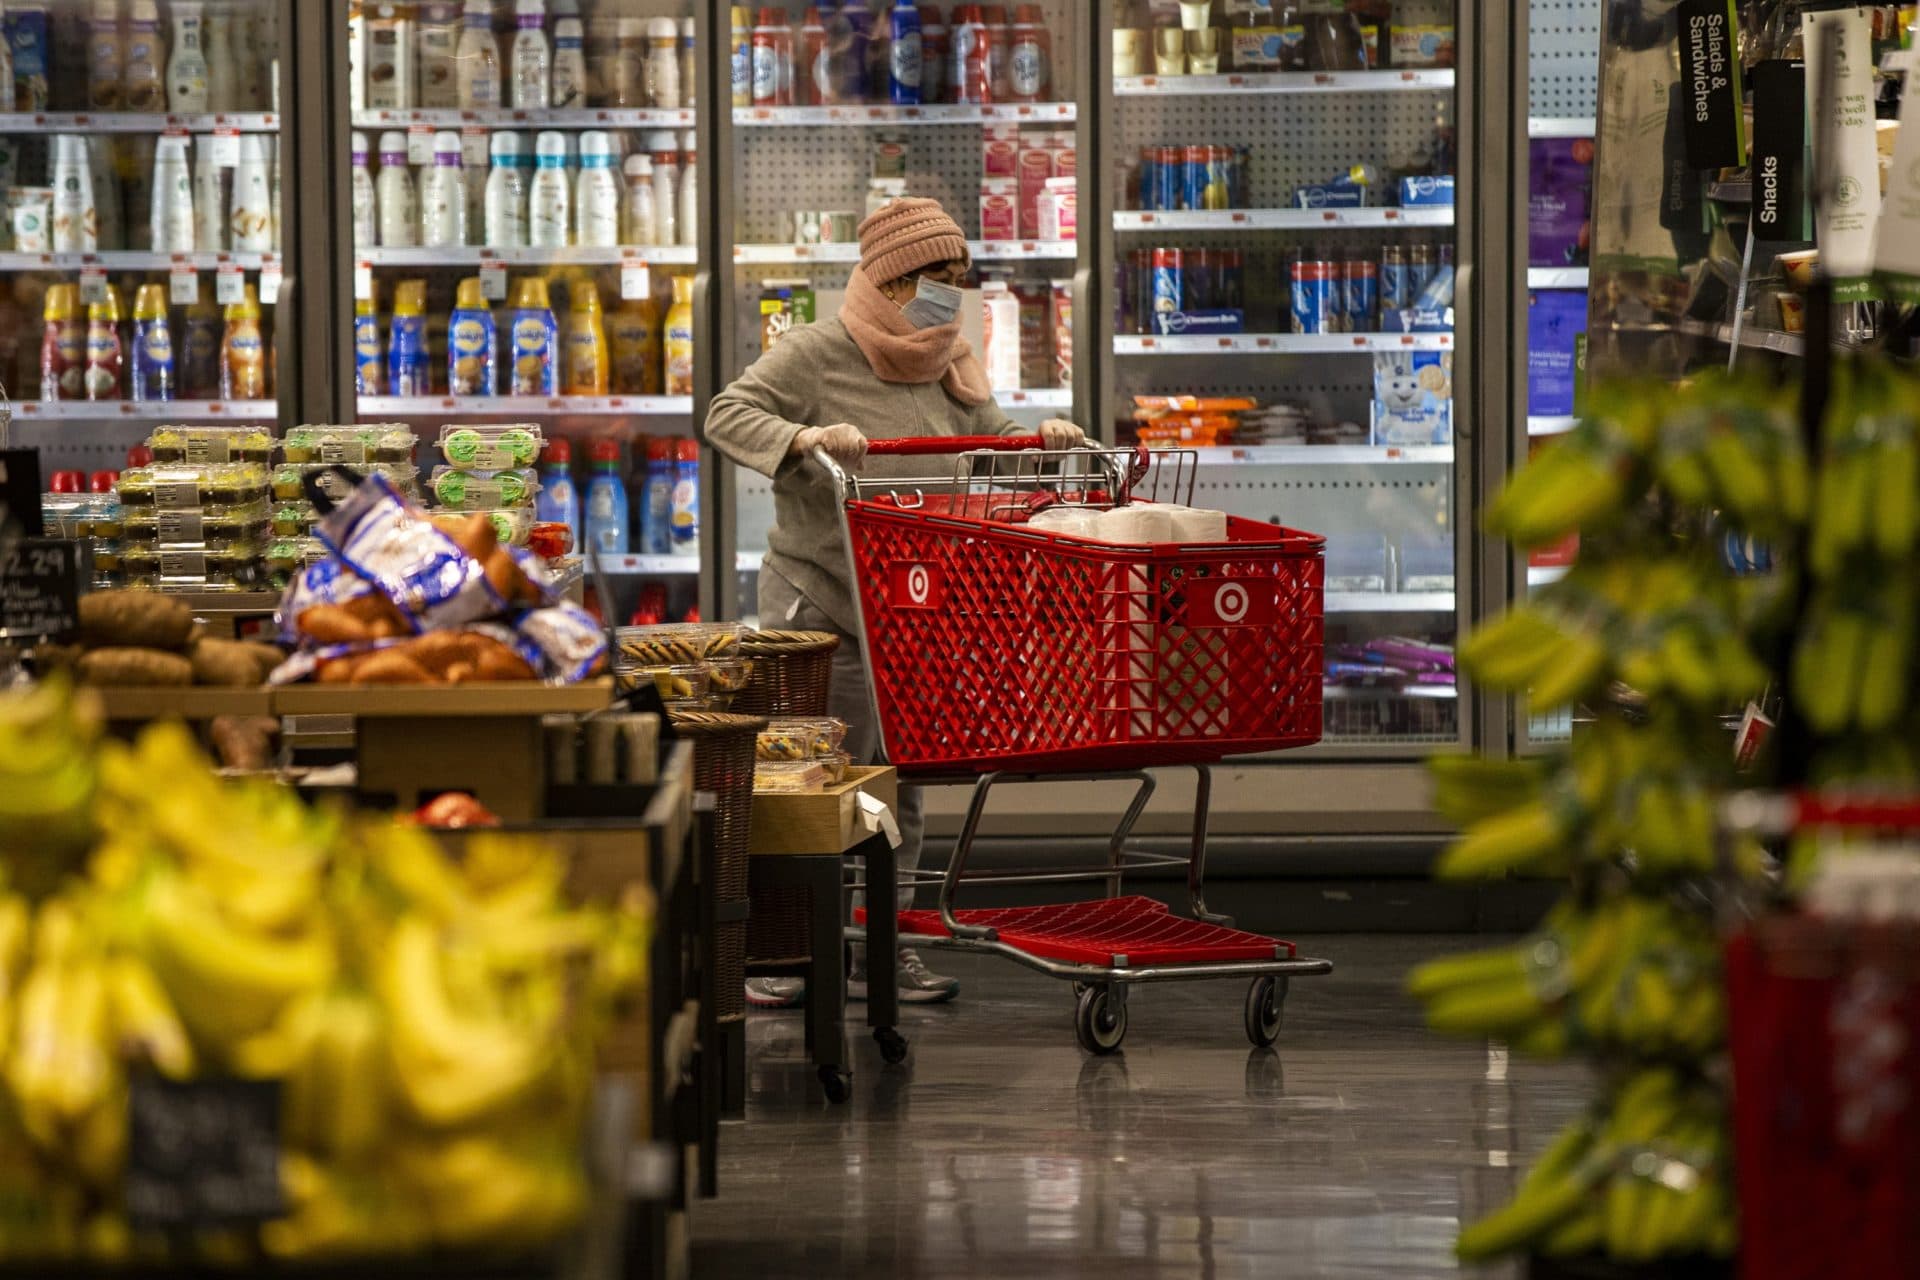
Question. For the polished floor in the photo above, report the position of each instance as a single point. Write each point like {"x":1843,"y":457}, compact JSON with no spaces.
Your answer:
{"x":1354,"y":1148}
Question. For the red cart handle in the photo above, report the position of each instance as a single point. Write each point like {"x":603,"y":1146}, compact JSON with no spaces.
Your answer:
{"x":915,"y":446}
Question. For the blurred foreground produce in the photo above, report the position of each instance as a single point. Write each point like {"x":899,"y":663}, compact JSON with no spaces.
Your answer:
{"x":432,"y":1025}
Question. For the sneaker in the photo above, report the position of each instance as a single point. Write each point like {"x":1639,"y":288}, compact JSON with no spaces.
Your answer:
{"x":917,"y":985}
{"x":776,"y":993}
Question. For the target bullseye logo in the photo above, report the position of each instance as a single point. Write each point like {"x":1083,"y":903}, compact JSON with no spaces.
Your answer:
{"x":1231,"y":602}
{"x":916,"y":585}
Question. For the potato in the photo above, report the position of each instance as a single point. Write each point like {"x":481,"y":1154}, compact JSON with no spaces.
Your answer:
{"x":142,"y":619}
{"x":226,"y":662}
{"x":124,"y":665}
{"x":244,"y":742}
{"x":265,"y":656}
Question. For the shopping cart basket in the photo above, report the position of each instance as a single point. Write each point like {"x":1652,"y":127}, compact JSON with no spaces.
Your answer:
{"x":1001,"y":651}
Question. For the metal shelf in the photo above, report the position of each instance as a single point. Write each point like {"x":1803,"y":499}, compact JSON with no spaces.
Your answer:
{"x":849,"y":252}
{"x":1542,"y":575}
{"x":1278,"y":344}
{"x":1389,"y":602}
{"x":880,"y":114}
{"x":1431,"y":693}
{"x":1037,"y":398}
{"x":147,"y":410}
{"x":133,"y":260}
{"x":136,"y":122}
{"x":480,"y":255}
{"x":1785,"y":344}
{"x":651,"y":566}
{"x":1387,"y":81}
{"x":1557,"y":277}
{"x":1326,"y":455}
{"x":1561,"y":127}
{"x":1278,"y":219}
{"x":527,"y":406}
{"x":508,"y":118}
{"x":1538,"y":425}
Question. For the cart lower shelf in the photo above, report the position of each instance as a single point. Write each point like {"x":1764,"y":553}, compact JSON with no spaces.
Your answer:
{"x":1121,"y":932}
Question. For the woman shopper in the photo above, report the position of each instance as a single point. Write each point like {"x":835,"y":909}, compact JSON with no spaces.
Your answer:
{"x":892,"y":364}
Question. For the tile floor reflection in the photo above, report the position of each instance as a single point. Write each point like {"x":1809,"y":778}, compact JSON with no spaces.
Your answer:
{"x":1352,"y":1149}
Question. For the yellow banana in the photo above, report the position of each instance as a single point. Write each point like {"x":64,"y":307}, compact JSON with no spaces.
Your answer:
{"x":143,"y":1019}
{"x":1507,"y":842}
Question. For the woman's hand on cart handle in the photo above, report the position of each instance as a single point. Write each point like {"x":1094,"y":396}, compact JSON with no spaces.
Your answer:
{"x":1057,"y":434}
{"x":842,"y":442}
{"x":917,"y":446}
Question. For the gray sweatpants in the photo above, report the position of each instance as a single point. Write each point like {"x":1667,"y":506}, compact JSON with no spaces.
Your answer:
{"x":783,"y":608}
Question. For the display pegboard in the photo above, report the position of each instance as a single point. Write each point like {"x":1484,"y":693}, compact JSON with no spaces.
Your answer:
{"x":1563,"y":58}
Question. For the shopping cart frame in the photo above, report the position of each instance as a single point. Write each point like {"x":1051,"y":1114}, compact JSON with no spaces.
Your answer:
{"x":1101,"y":989}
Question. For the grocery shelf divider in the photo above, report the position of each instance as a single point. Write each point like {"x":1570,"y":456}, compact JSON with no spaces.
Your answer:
{"x":949,"y":113}
{"x":1277,"y":343}
{"x":1557,"y":277}
{"x":657,"y":255}
{"x":529,"y":118}
{"x":1389,"y":80}
{"x":148,"y":410}
{"x":133,"y":260}
{"x":498,"y":406}
{"x":1325,"y":455}
{"x":137,"y":122}
{"x":1389,"y":602}
{"x":1561,"y":127}
{"x":848,"y":253}
{"x":1543,"y":425}
{"x":1279,"y":219}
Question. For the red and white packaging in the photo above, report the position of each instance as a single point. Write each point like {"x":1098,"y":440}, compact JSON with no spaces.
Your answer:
{"x":1001,"y":335}
{"x":1060,"y":209}
{"x":1036,"y":345}
{"x":1060,"y":325}
{"x":1000,"y":210}
{"x":999,"y":151}
{"x":1065,"y":157}
{"x":1035,"y":166}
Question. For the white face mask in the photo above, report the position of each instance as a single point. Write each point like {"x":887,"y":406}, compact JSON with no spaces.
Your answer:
{"x":934,"y":305}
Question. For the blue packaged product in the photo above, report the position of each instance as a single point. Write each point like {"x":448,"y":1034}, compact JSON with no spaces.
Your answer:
{"x":1322,"y":195}
{"x":1168,"y":281}
{"x":1218,"y":320}
{"x":605,"y":517}
{"x":1426,"y":190}
{"x":1555,"y":320}
{"x":558,"y":502}
{"x":686,"y":498}
{"x":1412,"y":398}
{"x":534,"y":344}
{"x":25,"y":30}
{"x":153,"y":371}
{"x":656,"y":513}
{"x":1396,"y":284}
{"x":903,"y":55}
{"x":1360,"y":295}
{"x":408,"y":364}
{"x":1166,"y":178}
{"x":1432,"y":311}
{"x":1316,"y":290}
{"x":472,"y":343}
{"x":369,"y":356}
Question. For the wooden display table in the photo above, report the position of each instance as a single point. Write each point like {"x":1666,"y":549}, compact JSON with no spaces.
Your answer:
{"x":130,"y":703}
{"x":803,"y":841}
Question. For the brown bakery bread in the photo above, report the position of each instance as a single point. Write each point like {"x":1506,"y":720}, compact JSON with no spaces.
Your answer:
{"x":127,"y":665}
{"x":145,"y":619}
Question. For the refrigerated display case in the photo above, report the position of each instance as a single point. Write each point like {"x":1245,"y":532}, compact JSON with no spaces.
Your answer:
{"x":1283,"y":219}
{"x":1557,"y":176}
{"x":822,"y":129}
{"x":141,"y":153}
{"x":528,"y":212}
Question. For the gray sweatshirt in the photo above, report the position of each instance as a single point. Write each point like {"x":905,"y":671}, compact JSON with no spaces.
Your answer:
{"x":817,"y":376}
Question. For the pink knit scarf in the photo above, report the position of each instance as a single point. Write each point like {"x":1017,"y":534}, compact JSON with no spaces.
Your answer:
{"x":899,"y":352}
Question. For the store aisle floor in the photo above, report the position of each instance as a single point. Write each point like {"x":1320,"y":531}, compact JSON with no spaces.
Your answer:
{"x":999,"y":1149}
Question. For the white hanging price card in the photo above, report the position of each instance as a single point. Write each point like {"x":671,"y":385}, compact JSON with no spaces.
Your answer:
{"x":229,"y":285}
{"x":93,"y":284}
{"x":363,"y":282}
{"x":183,"y":286}
{"x":493,"y":280}
{"x":271,"y":274}
{"x":635,"y":283}
{"x":419,"y":145}
{"x":225,"y":147}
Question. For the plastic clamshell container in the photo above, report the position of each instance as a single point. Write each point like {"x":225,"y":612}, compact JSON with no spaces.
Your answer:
{"x":788,"y":778}
{"x":209,"y":526}
{"x":177,"y":488}
{"x":459,"y":490}
{"x":349,"y":445}
{"x":289,"y":479}
{"x":787,"y":742}
{"x":496,"y":448}
{"x":674,"y":642}
{"x":207,"y":445}
{"x":512,"y":526}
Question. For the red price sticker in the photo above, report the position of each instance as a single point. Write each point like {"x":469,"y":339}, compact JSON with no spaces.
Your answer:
{"x":635,"y":282}
{"x":493,"y":280}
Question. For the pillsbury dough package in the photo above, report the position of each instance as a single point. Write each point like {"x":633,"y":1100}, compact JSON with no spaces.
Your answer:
{"x":1413,"y":397}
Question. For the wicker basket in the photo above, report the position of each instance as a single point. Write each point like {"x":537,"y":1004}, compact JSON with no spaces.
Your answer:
{"x":792,"y":676}
{"x":723,"y":764}
{"x":792,"y":673}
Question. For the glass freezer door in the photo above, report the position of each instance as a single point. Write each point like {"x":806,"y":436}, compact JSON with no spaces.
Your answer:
{"x":825,"y":128}
{"x":1283,"y":254}
{"x":141,"y":273}
{"x":527,"y":209}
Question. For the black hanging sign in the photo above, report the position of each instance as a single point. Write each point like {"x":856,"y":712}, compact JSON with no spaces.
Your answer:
{"x":1780,"y":150}
{"x":203,"y":1153}
{"x":1710,"y":74}
{"x":40,"y":583}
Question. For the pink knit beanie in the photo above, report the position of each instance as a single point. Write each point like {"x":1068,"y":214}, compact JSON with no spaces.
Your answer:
{"x":906,"y":234}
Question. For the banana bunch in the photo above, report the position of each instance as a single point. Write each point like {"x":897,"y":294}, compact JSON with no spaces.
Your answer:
{"x":1852,"y":666}
{"x":1632,"y":973}
{"x":47,"y":780}
{"x":1645,"y":1177}
{"x":1589,"y":479}
{"x":1732,"y":444}
{"x":1868,"y":504}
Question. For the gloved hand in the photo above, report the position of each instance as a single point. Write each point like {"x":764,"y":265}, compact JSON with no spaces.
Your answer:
{"x":843,"y":442}
{"x":1058,"y":433}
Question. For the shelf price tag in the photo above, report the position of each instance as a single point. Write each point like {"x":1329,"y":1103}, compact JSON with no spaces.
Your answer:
{"x":229,"y":285}
{"x":271,"y":275}
{"x":93,"y":284}
{"x":225,"y":147}
{"x":493,"y":279}
{"x":419,"y":145}
{"x":635,"y":282}
{"x":363,"y":282}
{"x":183,"y":285}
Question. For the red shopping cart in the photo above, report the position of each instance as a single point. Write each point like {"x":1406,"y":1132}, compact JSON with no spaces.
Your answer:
{"x":1002,"y":647}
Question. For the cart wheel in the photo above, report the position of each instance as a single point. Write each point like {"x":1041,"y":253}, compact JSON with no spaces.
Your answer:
{"x":1081,"y":988}
{"x":1265,"y":1000}
{"x":893,"y":1045}
{"x":1100,"y":1021}
{"x":838,"y":1082}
